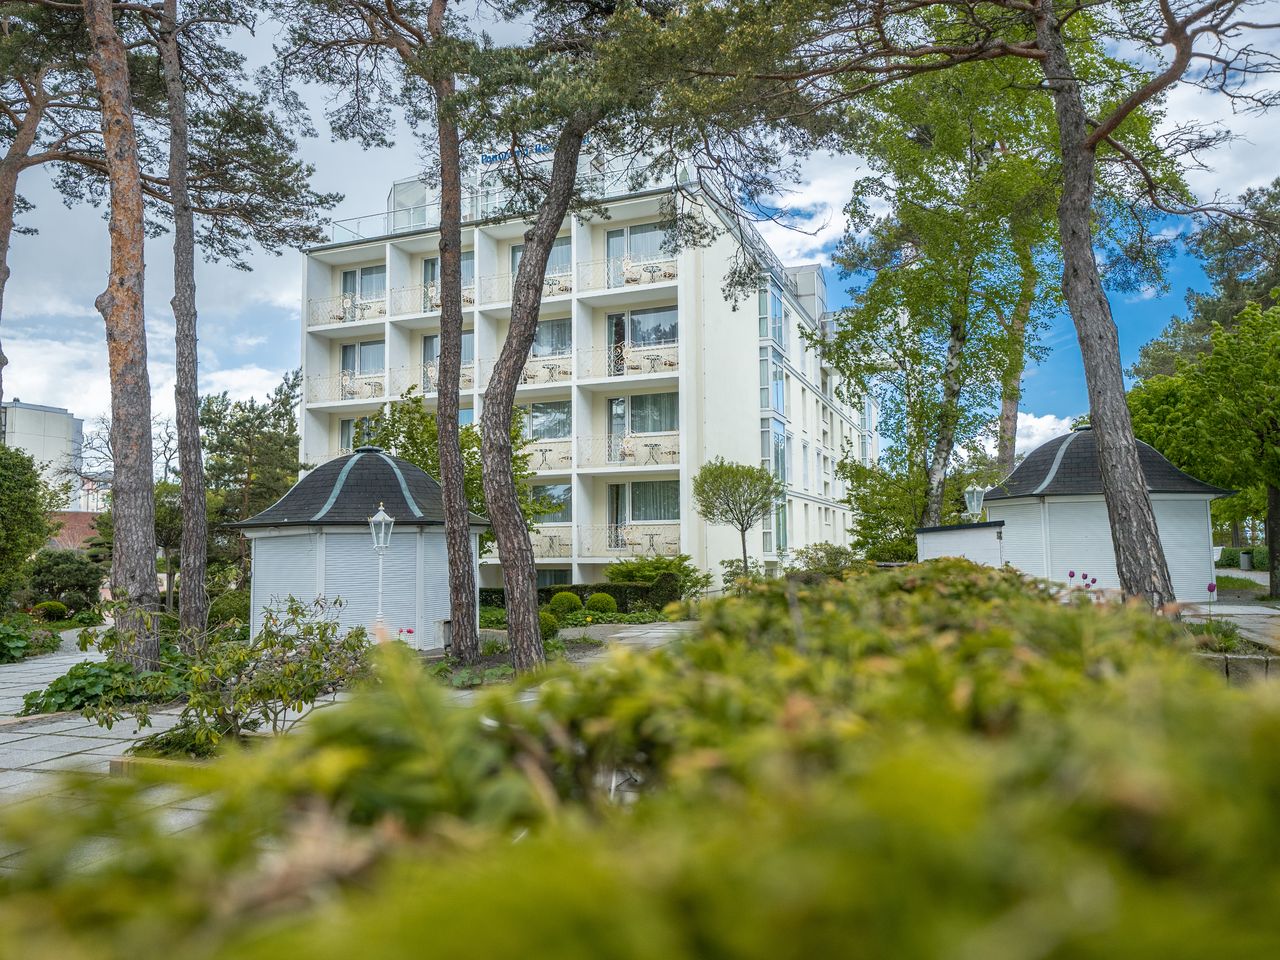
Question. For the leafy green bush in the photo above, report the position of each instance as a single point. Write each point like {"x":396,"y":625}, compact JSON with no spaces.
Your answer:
{"x":21,"y":636}
{"x":548,"y":625}
{"x":693,"y":581}
{"x":825,"y":559}
{"x":665,"y":590}
{"x":564,"y":602}
{"x":87,"y":618}
{"x":67,"y":576}
{"x":1229,"y":558}
{"x":232,"y":606}
{"x":601,"y":603}
{"x":50,"y":610}
{"x":104,"y":686}
{"x":493,"y":618}
{"x":933,"y":761}
{"x":732,"y":576}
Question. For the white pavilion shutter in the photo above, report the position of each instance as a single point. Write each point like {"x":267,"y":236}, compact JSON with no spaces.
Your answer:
{"x":1184,"y":533}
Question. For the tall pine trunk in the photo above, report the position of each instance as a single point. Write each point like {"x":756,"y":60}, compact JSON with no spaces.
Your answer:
{"x":945,"y":442}
{"x":514,"y":548}
{"x":1015,"y":357}
{"x":1140,"y":560}
{"x":194,"y":600}
{"x":457,"y":518}
{"x":11,"y":165}
{"x":133,"y":564}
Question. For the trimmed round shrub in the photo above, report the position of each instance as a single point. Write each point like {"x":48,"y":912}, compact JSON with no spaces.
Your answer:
{"x":548,"y":625}
{"x":232,"y":605}
{"x":602,"y":603}
{"x":565,"y":602}
{"x":50,"y":610}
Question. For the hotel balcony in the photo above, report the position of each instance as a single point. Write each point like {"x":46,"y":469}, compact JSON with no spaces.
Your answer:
{"x":622,"y":272}
{"x":346,"y":308}
{"x":552,"y":542}
{"x":345,"y":386}
{"x":426,"y":377}
{"x":550,"y":456}
{"x":538,"y":371}
{"x":425,"y":298}
{"x":499,"y":289}
{"x":630,"y":360}
{"x":632,"y":540}
{"x":654,"y":450}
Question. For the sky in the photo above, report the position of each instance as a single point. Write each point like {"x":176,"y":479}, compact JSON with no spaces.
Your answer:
{"x":250,"y":331}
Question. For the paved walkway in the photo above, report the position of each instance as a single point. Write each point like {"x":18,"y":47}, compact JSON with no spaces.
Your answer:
{"x":1257,"y":576}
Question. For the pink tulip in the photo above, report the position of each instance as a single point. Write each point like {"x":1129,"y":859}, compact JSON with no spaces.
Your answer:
{"x":1071,"y":574}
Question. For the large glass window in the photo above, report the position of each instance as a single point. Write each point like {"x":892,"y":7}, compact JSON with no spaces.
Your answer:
{"x":774,"y":315}
{"x":431,"y":348}
{"x":655,"y":500}
{"x":560,"y":494}
{"x":364,"y":358}
{"x":654,"y":325}
{"x":554,"y":338}
{"x":647,"y":240}
{"x":773,"y":393}
{"x":353,"y":431}
{"x":655,"y":413}
{"x":466,"y":416}
{"x":468,"y":268}
{"x":366,"y":283}
{"x":560,"y":260}
{"x":553,"y":576}
{"x":550,"y":420}
{"x":431,"y":272}
{"x":773,"y":447}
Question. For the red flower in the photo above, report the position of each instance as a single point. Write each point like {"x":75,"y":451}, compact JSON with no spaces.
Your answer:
{"x":409,"y":630}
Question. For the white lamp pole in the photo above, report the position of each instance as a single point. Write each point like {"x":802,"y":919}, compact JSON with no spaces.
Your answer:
{"x":380,"y":525}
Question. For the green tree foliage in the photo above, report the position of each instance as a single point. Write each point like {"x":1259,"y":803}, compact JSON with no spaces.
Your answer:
{"x":409,"y":430}
{"x":1241,"y":258}
{"x":693,"y":581}
{"x":1219,"y":418}
{"x":251,"y":449}
{"x":26,"y":501}
{"x":68,"y":576}
{"x":826,"y":559}
{"x":735,"y":495}
{"x":946,"y":745}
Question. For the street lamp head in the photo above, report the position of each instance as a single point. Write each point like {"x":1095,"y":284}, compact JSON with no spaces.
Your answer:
{"x":380,"y":525}
{"x":973,"y":500}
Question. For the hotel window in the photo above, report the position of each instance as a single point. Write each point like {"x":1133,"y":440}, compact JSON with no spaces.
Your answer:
{"x":864,"y":450}
{"x":352,"y":431}
{"x":773,"y":387}
{"x":773,"y":447}
{"x":780,"y":527}
{"x":804,"y":466}
{"x":561,"y":496}
{"x":468,"y":268}
{"x":766,"y":530}
{"x":553,"y":576}
{"x":559,"y":262}
{"x":363,"y":359}
{"x":774,"y":316}
{"x":554,"y":338}
{"x":431,"y":348}
{"x":655,"y":500}
{"x":466,"y":416}
{"x":431,"y":272}
{"x":655,"y":413}
{"x":550,"y":420}
{"x":365,"y":283}
{"x":653,"y":326}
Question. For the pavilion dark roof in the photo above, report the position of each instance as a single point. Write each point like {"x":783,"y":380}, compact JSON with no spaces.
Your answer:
{"x":348,"y":490}
{"x":1068,"y":466}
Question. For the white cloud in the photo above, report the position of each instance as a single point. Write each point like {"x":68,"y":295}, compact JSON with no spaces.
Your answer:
{"x":241,"y":383}
{"x":814,"y":218}
{"x":1035,"y":429}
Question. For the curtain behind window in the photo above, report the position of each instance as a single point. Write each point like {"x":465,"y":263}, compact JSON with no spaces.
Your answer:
{"x":655,"y":413}
{"x":373,"y":283}
{"x":646,"y":241}
{"x":552,"y":420}
{"x":655,"y":500}
{"x":553,"y":338}
{"x":655,"y":325}
{"x":559,"y":494}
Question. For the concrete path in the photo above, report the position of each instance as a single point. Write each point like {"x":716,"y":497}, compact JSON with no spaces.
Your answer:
{"x":1257,"y":576}
{"x":1257,"y":621}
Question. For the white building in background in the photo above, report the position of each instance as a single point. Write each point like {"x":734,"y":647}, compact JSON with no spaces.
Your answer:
{"x":642,"y":371}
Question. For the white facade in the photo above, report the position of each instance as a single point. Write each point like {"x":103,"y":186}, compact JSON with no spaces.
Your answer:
{"x":980,"y":542}
{"x":642,"y":372}
{"x":338,"y":563}
{"x":52,"y":436}
{"x":1052,"y":537}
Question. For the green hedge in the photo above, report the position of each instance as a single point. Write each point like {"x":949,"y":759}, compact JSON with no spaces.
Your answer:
{"x":1230,"y":557}
{"x":626,"y":595}
{"x":937,"y":761}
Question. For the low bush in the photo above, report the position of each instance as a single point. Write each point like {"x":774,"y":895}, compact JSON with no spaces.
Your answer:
{"x":50,"y":610}
{"x":1229,"y":558}
{"x":587,"y":618}
{"x":232,"y":606}
{"x":601,"y":603}
{"x":665,"y":590}
{"x":933,"y":761}
{"x":824,"y":559}
{"x":21,"y":637}
{"x":493,"y":618}
{"x":564,"y":602}
{"x":626,"y":595}
{"x":548,"y":625}
{"x":68,"y":576}
{"x":105,"y":687}
{"x":692,"y":580}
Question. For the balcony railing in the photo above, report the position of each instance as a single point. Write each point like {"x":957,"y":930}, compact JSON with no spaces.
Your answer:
{"x":499,"y":289}
{"x":630,"y":450}
{"x":537,"y":370}
{"x":344,"y":308}
{"x":631,"y":359}
{"x":426,"y":377}
{"x":618,"y":272}
{"x":328,"y":455}
{"x":550,"y":455}
{"x":345,"y":386}
{"x":631,"y":540}
{"x":552,"y":543}
{"x":425,"y":298}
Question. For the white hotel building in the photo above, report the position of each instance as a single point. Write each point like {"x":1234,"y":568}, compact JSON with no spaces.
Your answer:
{"x":641,"y":372}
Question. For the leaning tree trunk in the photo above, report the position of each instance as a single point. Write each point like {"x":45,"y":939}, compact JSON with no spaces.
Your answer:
{"x":1140,"y":560}
{"x":133,"y":565}
{"x":194,"y":601}
{"x":1272,"y":540}
{"x":11,"y":165}
{"x":514,"y":549}
{"x":945,"y":442}
{"x":457,"y":518}
{"x":1015,"y":358}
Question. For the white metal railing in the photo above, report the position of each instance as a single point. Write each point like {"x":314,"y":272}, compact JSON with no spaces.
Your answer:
{"x":555,"y":455}
{"x":426,"y":377}
{"x":420,"y":298}
{"x":345,"y":386}
{"x":629,"y":540}
{"x":630,"y":450}
{"x":498,"y":289}
{"x":617,"y":272}
{"x":630,"y":359}
{"x":537,"y":370}
{"x":552,"y":542}
{"x":329,"y":455}
{"x":344,"y":308}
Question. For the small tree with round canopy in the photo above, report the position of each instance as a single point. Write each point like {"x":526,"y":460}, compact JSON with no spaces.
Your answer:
{"x":735,"y":495}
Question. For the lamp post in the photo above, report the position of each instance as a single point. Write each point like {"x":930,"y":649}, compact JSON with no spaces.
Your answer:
{"x":973,"y":500}
{"x":380,"y":525}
